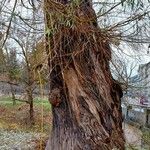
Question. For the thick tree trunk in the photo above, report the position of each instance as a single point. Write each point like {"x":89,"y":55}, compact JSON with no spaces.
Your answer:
{"x":85,"y":99}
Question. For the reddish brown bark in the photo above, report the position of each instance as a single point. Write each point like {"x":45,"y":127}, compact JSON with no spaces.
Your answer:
{"x":85,"y":99}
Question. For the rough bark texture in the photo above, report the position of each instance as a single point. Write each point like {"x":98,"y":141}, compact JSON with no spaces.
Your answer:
{"x":85,"y":99}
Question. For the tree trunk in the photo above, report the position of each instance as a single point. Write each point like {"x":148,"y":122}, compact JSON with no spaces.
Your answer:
{"x":85,"y":99}
{"x":13,"y":94}
{"x":31,"y":112}
{"x":147,"y":117}
{"x":127,"y":113}
{"x":30,"y":100}
{"x":29,"y":90}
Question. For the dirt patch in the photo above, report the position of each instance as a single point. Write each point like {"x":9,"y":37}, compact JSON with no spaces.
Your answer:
{"x":18,"y":140}
{"x":16,"y":132}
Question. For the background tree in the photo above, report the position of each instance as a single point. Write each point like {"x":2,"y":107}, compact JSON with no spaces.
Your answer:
{"x":32,"y":67}
{"x":9,"y":69}
{"x":27,"y":75}
{"x":22,"y":33}
{"x":13,"y":71}
{"x":2,"y":61}
{"x":123,"y":70}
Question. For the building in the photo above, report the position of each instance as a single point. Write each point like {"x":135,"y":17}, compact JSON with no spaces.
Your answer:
{"x":144,"y":74}
{"x":137,"y":102}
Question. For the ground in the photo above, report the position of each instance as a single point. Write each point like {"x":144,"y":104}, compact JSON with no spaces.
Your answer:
{"x":133,"y":136}
{"x":16,"y":132}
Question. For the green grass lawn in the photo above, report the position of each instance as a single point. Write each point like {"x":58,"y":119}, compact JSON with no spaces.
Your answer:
{"x":7,"y":102}
{"x":43,"y":102}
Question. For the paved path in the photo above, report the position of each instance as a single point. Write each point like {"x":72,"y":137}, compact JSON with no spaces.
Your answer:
{"x":12,"y":140}
{"x":132,"y":135}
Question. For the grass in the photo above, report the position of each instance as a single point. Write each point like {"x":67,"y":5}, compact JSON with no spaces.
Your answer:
{"x":44,"y":102}
{"x":17,"y":116}
{"x":146,"y":136}
{"x":7,"y":102}
{"x":131,"y":147}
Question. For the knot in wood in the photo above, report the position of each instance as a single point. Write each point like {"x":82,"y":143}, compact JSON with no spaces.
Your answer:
{"x":55,"y":98}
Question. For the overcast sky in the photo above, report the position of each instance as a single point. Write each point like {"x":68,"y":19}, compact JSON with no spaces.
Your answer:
{"x":137,"y":54}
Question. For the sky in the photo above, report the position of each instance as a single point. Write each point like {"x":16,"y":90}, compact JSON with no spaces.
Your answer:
{"x":137,"y":54}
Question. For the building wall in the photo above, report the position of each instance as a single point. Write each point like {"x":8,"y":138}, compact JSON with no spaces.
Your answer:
{"x":136,"y":115}
{"x":144,"y":73}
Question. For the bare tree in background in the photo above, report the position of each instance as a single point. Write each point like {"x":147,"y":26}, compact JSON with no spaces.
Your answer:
{"x":123,"y":70}
{"x":21,"y":32}
{"x":13,"y":71}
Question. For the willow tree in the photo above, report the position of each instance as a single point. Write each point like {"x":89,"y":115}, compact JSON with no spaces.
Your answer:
{"x":86,"y":104}
{"x":85,"y":99}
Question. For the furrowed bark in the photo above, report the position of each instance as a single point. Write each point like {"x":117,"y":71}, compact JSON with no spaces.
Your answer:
{"x":85,"y":99}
